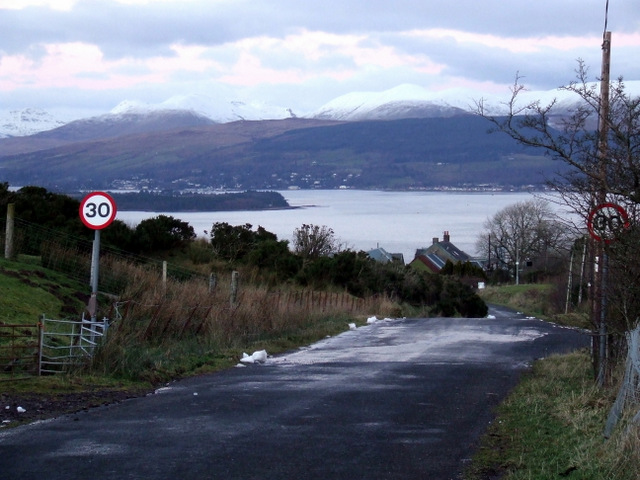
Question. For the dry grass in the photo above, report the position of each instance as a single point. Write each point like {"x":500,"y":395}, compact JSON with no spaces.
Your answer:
{"x":161,"y":330}
{"x":169,"y":329}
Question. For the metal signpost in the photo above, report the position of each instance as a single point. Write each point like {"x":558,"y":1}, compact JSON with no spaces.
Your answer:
{"x":97,"y":211}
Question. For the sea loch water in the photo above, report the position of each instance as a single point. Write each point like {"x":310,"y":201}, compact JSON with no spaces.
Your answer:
{"x":399,"y":222}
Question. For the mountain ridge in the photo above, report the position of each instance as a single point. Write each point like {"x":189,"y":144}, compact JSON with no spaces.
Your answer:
{"x":402,"y":101}
{"x":402,"y":138}
{"x":291,"y":153}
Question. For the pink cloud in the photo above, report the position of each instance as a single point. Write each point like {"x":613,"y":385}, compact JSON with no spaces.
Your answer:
{"x":83,"y":66}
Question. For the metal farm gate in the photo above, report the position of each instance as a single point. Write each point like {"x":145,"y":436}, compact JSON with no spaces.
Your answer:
{"x":19,"y":349}
{"x":68,"y":343}
{"x":50,"y":346}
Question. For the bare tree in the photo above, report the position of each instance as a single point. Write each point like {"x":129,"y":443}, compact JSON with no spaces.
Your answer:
{"x":313,"y":241}
{"x":575,"y":139}
{"x":601,"y":147}
{"x":524,"y":231}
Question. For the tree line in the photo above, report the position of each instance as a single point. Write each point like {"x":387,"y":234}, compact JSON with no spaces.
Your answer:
{"x":315,"y":259}
{"x":525,"y":242}
{"x":187,"y":202}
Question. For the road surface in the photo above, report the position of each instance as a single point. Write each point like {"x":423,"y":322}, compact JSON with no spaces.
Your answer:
{"x":396,"y":399}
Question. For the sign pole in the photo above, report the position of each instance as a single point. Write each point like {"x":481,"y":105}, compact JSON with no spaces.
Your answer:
{"x":97,"y":211}
{"x":606,"y":223}
{"x":95,"y":273}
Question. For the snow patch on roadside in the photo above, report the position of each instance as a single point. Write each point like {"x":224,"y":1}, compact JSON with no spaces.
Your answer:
{"x":256,"y":357}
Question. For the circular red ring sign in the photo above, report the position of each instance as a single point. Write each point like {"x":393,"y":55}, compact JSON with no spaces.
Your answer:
{"x":606,"y":221}
{"x":98,"y":210}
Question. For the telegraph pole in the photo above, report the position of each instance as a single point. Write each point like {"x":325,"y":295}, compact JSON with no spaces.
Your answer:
{"x":598,"y":309}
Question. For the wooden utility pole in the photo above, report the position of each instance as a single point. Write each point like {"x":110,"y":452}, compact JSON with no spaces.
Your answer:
{"x":603,"y":121}
{"x":598,"y":306}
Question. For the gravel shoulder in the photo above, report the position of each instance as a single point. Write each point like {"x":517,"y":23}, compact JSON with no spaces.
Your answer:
{"x":18,"y":409}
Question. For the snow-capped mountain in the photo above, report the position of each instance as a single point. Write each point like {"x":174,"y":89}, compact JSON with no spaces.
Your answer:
{"x":412,"y":101}
{"x":20,"y":123}
{"x":194,"y":109}
{"x":220,"y":109}
{"x":403,"y":101}
{"x":126,"y":122}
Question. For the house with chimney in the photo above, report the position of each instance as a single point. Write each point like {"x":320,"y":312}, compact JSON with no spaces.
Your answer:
{"x":434,"y":257}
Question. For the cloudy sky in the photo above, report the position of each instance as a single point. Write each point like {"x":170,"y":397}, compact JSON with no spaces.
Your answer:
{"x":89,"y":55}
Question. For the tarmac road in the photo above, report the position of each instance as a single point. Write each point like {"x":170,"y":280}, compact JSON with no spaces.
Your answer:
{"x":397,"y":399}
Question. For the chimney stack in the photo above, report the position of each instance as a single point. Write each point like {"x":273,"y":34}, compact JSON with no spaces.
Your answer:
{"x":447,"y":237}
{"x":435,"y":240}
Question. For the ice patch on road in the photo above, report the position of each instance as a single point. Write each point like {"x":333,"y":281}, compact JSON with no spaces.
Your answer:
{"x":86,"y":448}
{"x":162,"y":390}
{"x":387,"y":341}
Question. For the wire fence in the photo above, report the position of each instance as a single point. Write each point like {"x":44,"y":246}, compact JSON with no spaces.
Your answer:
{"x":152,"y":302}
{"x":629,"y":394}
{"x":71,"y":255}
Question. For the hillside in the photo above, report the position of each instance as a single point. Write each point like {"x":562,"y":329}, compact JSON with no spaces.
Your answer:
{"x":30,"y":291}
{"x":279,"y":154}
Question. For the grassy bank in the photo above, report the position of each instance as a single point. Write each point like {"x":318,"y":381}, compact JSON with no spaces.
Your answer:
{"x":28,"y":291}
{"x":551,"y":425}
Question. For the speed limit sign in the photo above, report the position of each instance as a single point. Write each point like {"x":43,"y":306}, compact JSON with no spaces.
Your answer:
{"x":97,"y":210}
{"x":607,"y":221}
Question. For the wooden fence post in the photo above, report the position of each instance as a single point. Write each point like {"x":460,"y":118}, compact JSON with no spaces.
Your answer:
{"x":234,"y":288}
{"x":213,"y":281}
{"x":8,"y":233}
{"x":40,"y":344}
{"x":164,"y":274}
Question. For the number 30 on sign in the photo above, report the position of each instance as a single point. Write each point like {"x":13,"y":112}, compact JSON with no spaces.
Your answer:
{"x":97,"y":210}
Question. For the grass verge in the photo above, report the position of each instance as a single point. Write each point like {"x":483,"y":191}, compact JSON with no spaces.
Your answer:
{"x":539,"y":300}
{"x":552,"y":423}
{"x":551,"y":427}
